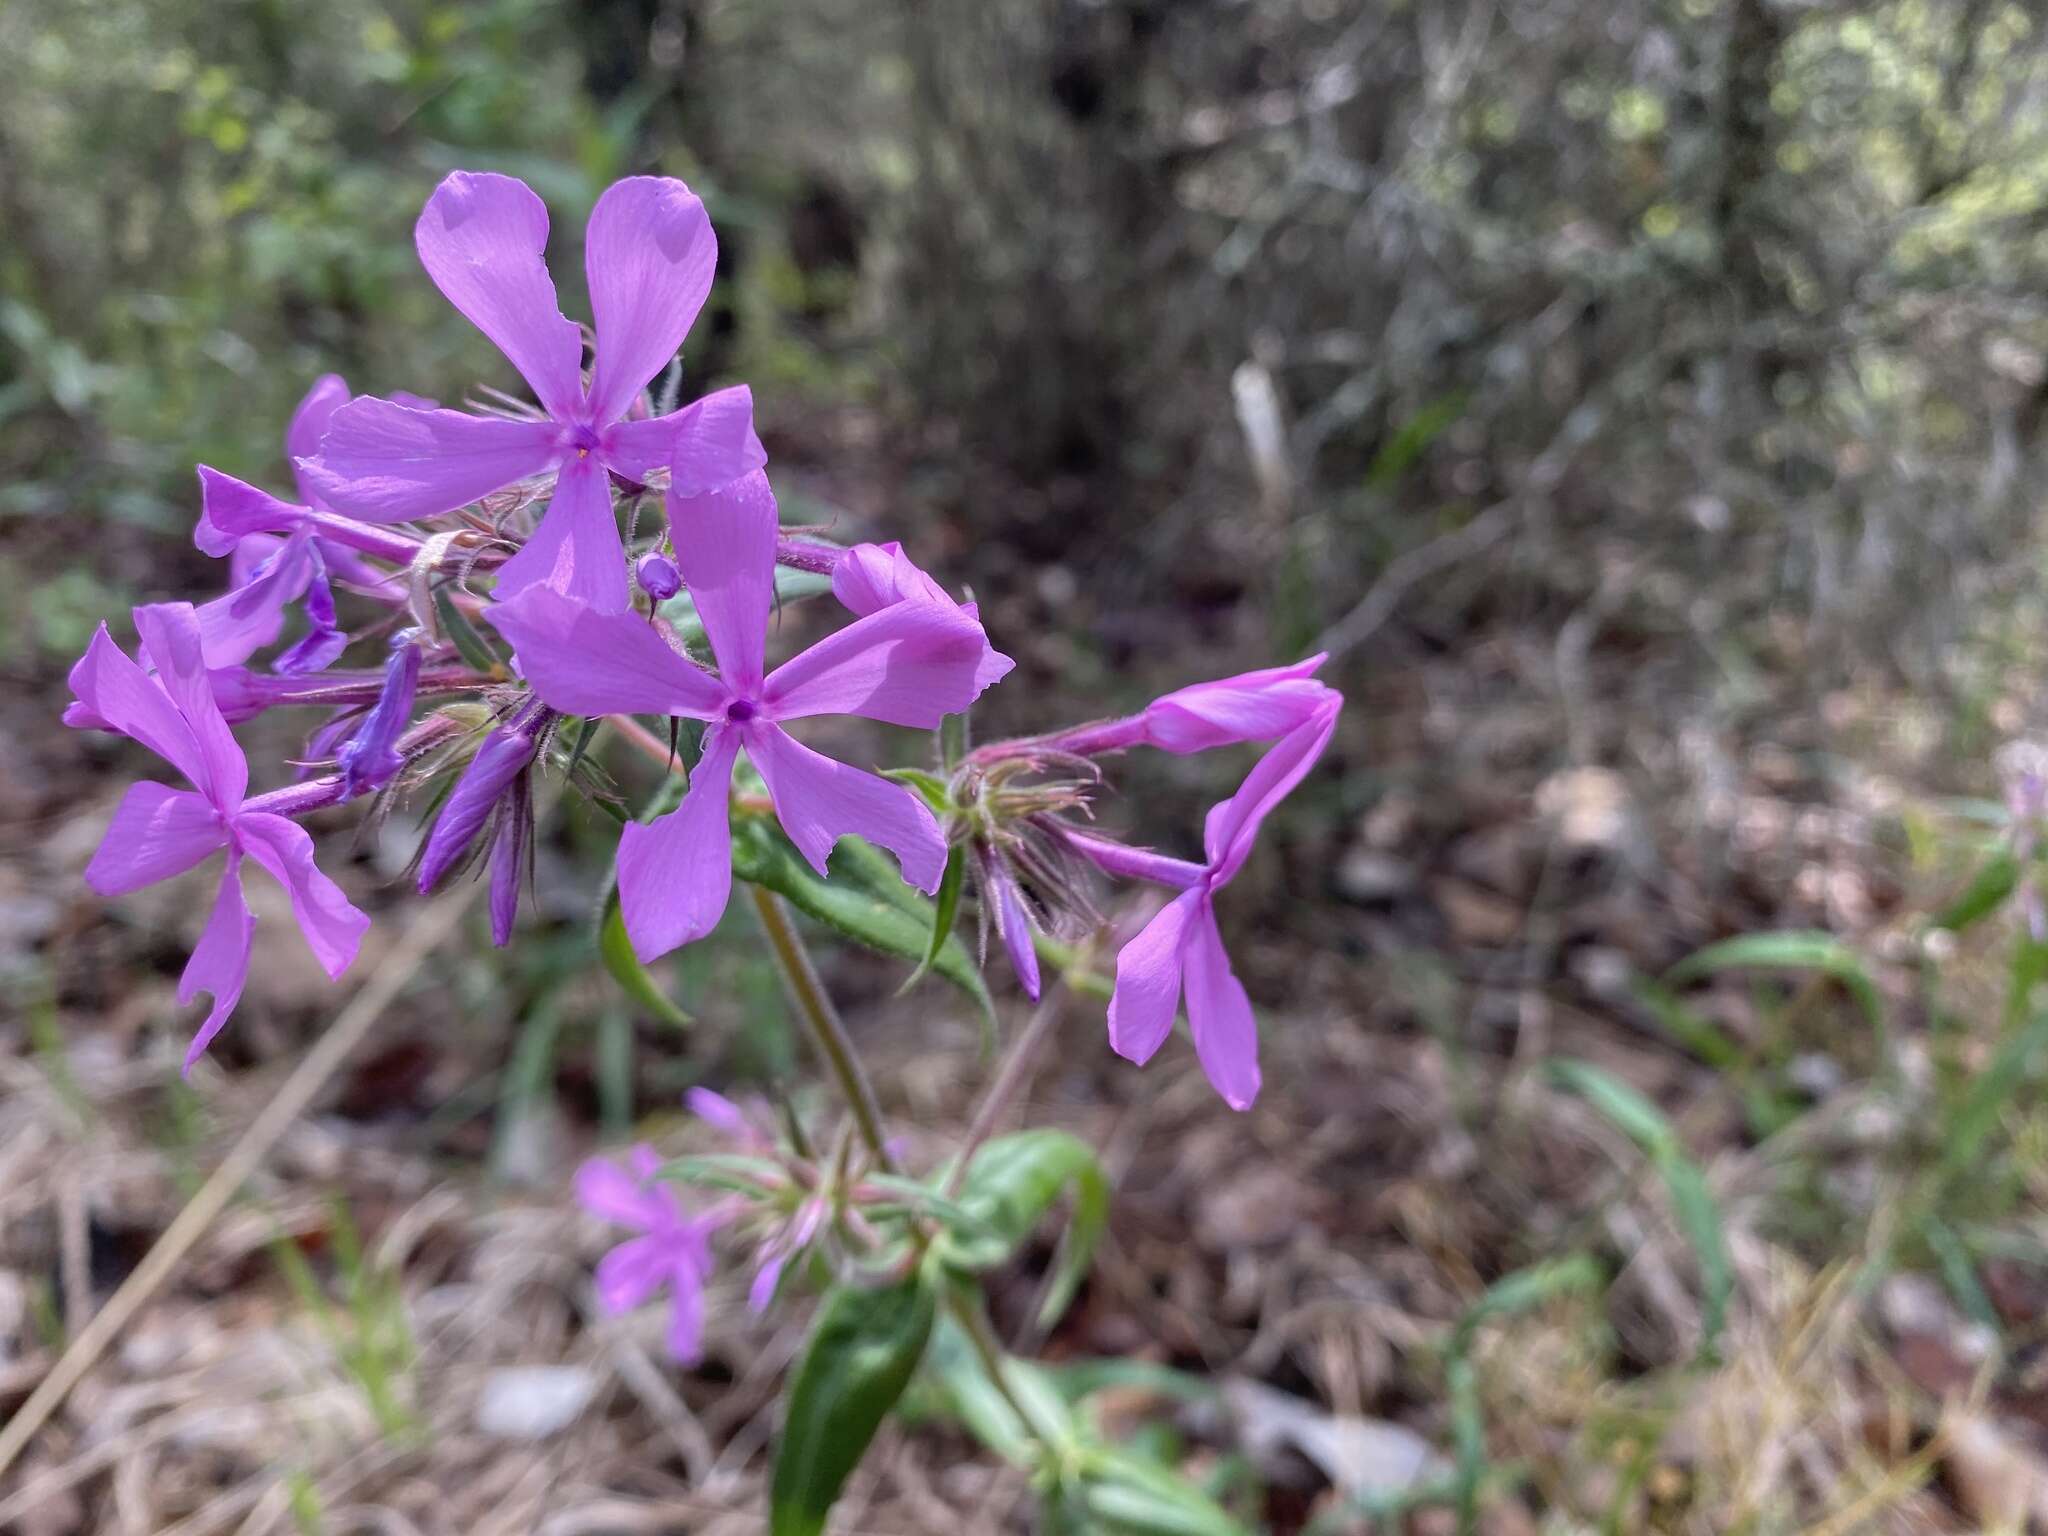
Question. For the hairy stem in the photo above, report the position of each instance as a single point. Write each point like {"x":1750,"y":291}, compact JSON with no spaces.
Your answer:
{"x":814,"y":1005}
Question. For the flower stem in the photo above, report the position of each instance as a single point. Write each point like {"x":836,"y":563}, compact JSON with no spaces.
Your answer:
{"x":814,"y":1005}
{"x":1009,"y":1079}
{"x":968,"y":1311}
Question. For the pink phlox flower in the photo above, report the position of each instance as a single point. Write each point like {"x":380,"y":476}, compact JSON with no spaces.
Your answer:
{"x":277,"y":557}
{"x":1181,"y":949}
{"x":909,"y":664}
{"x":158,"y":832}
{"x":870,"y":577}
{"x":672,"y":1250}
{"x":648,"y":256}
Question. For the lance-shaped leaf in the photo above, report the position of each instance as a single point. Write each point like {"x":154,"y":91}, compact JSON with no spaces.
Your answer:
{"x":895,"y":924}
{"x":1010,"y":1185}
{"x":863,"y":1350}
{"x":1985,"y":894}
{"x":1788,"y":951}
{"x":634,"y":979}
{"x":989,"y":1410}
{"x":1125,"y":1494}
{"x":946,"y":914}
{"x":1692,"y":1203}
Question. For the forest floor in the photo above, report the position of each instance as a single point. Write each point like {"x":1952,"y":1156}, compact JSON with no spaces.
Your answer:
{"x":391,"y":1327}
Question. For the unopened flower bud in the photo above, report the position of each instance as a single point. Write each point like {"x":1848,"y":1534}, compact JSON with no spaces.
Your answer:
{"x":658,"y":576}
{"x":370,"y":759}
{"x":503,"y":759}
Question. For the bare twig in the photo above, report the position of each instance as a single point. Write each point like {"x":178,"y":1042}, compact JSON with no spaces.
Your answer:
{"x":1381,"y":599}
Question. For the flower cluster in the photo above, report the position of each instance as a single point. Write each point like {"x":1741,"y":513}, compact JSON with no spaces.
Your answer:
{"x":521,"y":570}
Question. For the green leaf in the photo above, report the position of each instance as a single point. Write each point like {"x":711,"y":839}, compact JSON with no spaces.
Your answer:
{"x":988,"y":1413}
{"x":1791,"y":951}
{"x":616,"y":950}
{"x":1984,"y":895}
{"x":1701,"y":1036}
{"x":863,"y":1350}
{"x":1126,"y":1493}
{"x":1011,"y":1183}
{"x":469,"y":645}
{"x":1507,"y":1296}
{"x":1080,"y":1379}
{"x":1527,"y":1288}
{"x":945,"y":915}
{"x":849,"y":906}
{"x":1969,"y":1129}
{"x":1691,"y":1201}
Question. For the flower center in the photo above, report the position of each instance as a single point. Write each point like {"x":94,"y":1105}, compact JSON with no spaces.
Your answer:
{"x":739,"y":711}
{"x":585,"y":440}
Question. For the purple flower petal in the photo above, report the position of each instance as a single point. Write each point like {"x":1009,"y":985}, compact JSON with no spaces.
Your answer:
{"x":818,"y":801}
{"x":645,"y":1163}
{"x":705,"y":445}
{"x":606,"y":1190}
{"x":630,"y":1273}
{"x":231,"y":509}
{"x":1136,"y":863}
{"x":1148,"y":977}
{"x":766,"y":1279}
{"x":114,"y":694}
{"x":386,"y":463}
{"x":686,"y":1317}
{"x":235,"y":627}
{"x":156,"y":833}
{"x":252,"y":555}
{"x":911,"y":664}
{"x":309,"y":424}
{"x":648,"y":254}
{"x":575,"y":549}
{"x":583,"y":662}
{"x":870,"y":577}
{"x":676,"y":872}
{"x":323,"y":642}
{"x":333,"y":927}
{"x":220,"y":964}
{"x":1014,"y":926}
{"x":1233,"y":825}
{"x":235,"y":515}
{"x":1219,"y":1013}
{"x":483,"y":240}
{"x":724,"y":1116}
{"x":171,"y":637}
{"x":725,"y":543}
{"x":1253,"y":706}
